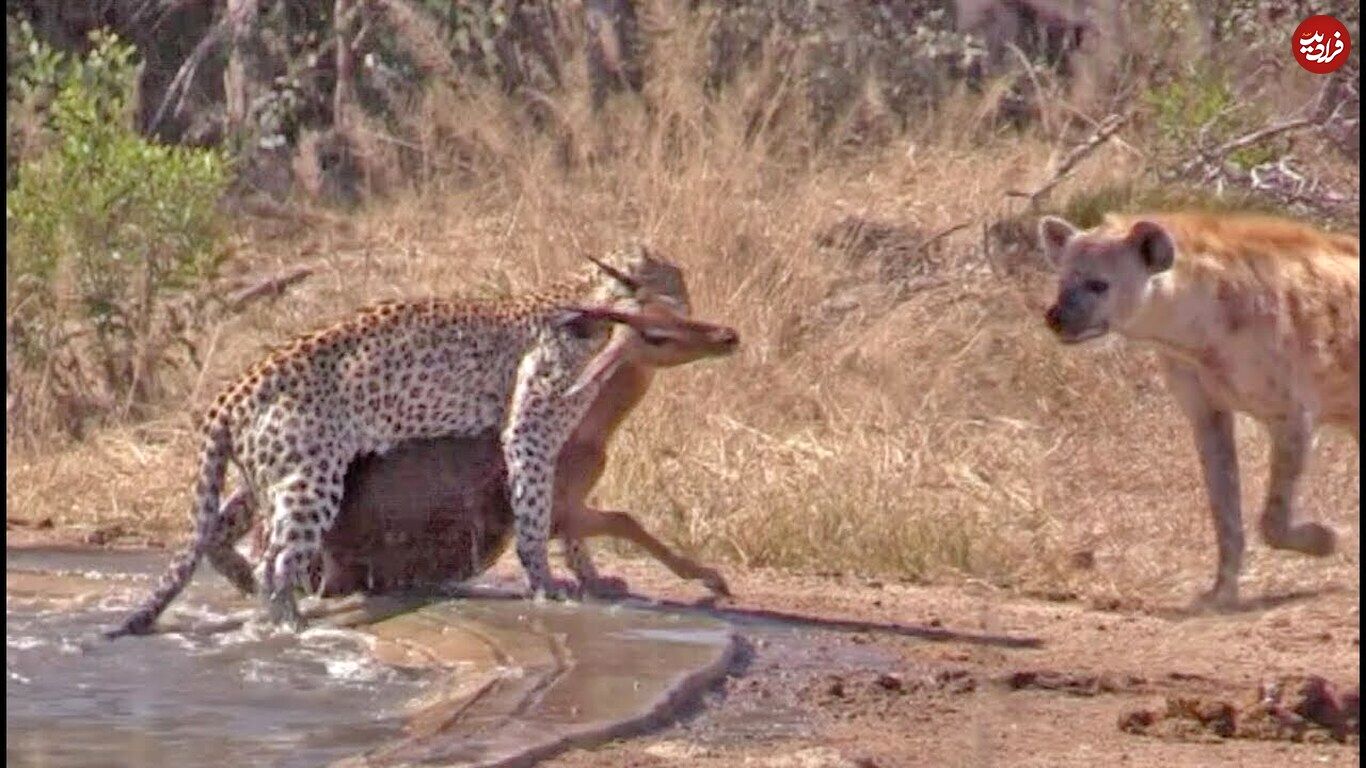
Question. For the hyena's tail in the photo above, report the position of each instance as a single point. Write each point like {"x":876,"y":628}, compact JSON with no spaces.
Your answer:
{"x":212,"y":469}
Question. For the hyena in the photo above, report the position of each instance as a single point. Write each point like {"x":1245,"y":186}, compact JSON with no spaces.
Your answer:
{"x":1248,"y":314}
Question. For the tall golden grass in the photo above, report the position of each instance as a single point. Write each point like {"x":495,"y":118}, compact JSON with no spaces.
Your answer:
{"x":935,"y":432}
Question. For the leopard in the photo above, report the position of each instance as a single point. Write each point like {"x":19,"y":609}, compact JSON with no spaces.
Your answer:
{"x":431,"y":514}
{"x":528,"y":365}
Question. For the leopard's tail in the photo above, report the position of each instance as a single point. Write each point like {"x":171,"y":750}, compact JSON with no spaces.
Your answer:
{"x":212,"y":470}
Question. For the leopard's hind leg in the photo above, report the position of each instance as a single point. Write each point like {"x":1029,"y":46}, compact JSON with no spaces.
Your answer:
{"x":235,"y":520}
{"x":304,"y":507}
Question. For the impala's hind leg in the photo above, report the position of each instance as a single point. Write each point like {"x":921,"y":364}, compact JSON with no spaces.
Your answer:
{"x":589,"y":522}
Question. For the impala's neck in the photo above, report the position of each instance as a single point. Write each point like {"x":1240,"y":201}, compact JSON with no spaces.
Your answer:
{"x":620,"y":393}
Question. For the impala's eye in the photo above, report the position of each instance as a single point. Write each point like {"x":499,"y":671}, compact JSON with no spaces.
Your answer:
{"x":1097,"y":287}
{"x":654,"y":339}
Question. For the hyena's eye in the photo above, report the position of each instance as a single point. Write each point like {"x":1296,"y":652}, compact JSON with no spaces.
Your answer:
{"x":1096,"y":286}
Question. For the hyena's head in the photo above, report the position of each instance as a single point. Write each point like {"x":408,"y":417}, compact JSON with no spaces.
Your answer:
{"x":1103,"y":274}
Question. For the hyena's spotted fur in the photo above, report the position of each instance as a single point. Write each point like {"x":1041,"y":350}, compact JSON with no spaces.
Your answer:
{"x":1249,"y":314}
{"x":400,"y":371}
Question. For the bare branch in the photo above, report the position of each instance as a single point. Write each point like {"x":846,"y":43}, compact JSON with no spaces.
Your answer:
{"x":941,"y":234}
{"x":1108,"y":127}
{"x":344,"y":59}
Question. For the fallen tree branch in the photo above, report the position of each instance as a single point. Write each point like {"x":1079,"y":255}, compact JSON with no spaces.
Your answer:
{"x":1246,"y":140}
{"x":1321,"y":110}
{"x":270,"y":286}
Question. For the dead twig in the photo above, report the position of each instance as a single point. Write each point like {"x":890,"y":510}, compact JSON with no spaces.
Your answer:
{"x":1033,"y":74}
{"x":1107,"y":128}
{"x":940,"y":235}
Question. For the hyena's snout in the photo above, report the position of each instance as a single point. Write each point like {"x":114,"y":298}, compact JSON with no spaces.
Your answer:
{"x":1072,"y":318}
{"x":1053,"y":318}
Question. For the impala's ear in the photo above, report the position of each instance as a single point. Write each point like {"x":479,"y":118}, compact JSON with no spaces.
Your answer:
{"x":583,"y":320}
{"x":1155,"y":245}
{"x":605,"y":363}
{"x":1054,"y":234}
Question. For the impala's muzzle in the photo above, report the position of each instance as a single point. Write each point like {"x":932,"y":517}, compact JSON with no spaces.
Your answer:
{"x":716,"y":339}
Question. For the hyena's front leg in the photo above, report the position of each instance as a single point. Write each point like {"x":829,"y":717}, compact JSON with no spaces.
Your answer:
{"x":1213,"y":428}
{"x":1291,"y":440}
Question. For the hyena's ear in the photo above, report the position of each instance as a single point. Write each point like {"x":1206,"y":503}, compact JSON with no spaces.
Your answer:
{"x":1054,"y":232}
{"x":1154,"y":244}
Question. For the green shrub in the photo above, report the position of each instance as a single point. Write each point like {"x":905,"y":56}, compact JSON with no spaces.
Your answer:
{"x":104,"y":228}
{"x":1202,"y":109}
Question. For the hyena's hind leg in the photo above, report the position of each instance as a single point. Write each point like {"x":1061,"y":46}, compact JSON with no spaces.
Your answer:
{"x":1213,"y":429}
{"x":1291,"y":441}
{"x":303,"y":508}
{"x":236,"y":516}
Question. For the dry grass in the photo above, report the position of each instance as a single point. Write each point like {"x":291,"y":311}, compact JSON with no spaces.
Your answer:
{"x":936,"y":435}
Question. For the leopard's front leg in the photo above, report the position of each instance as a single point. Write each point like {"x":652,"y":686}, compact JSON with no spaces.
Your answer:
{"x":540,"y":419}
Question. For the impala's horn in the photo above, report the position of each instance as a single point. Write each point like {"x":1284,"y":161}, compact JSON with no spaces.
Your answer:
{"x":631,"y":283}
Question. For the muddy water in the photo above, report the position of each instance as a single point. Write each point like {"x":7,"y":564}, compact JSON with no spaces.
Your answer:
{"x":462,"y":682}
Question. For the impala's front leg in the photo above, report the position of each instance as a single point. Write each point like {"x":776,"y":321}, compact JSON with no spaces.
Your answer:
{"x":580,"y":561}
{"x":540,"y":420}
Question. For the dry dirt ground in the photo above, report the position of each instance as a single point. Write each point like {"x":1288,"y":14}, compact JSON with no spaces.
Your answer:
{"x":886,"y":674}
{"x":842,"y":671}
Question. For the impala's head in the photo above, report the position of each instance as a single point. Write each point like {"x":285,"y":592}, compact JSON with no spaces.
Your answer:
{"x":1103,"y":274}
{"x":665,"y":339}
{"x":633,"y":276}
{"x":656,"y":336}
